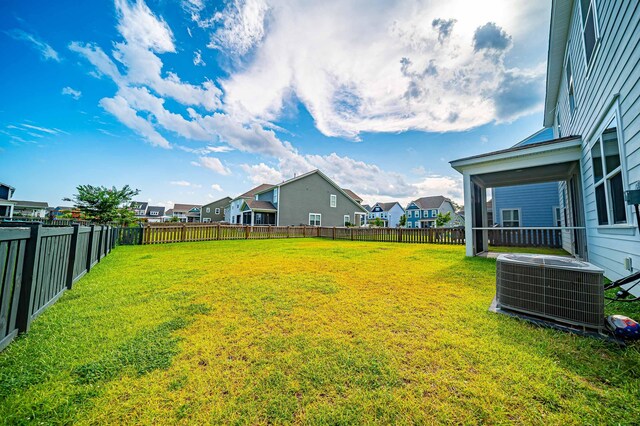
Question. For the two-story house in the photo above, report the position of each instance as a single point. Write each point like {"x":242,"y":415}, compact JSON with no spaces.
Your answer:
{"x":592,"y":103}
{"x":423,"y":212}
{"x":309,"y":199}
{"x":147,"y":213}
{"x":389,"y":213}
{"x":6,"y":205}
{"x":30,"y":209}
{"x":186,"y":212}
{"x":214,"y":211}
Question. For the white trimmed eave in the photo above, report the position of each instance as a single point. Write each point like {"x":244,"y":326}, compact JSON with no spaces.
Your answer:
{"x":541,"y":155}
{"x":558,"y":35}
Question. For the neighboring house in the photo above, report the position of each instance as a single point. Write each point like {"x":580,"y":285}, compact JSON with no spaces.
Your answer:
{"x":367,"y":207}
{"x":233,"y":212}
{"x":140,"y":208}
{"x":353,"y":195}
{"x":214,"y":211}
{"x":535,"y":204}
{"x":309,"y":199}
{"x":37,"y":209}
{"x":6,"y":205}
{"x":154,"y":214}
{"x":388,"y":213}
{"x":186,"y":212}
{"x":592,"y":103}
{"x":422,"y":213}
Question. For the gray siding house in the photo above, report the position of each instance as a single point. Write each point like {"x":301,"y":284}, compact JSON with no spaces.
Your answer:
{"x":6,"y":206}
{"x":593,"y":104}
{"x":309,"y":199}
{"x":214,"y":211}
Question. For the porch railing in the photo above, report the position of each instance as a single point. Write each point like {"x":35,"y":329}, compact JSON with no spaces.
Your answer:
{"x":568,"y":237}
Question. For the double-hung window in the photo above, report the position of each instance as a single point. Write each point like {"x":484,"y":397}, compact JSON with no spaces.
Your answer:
{"x":217,"y":210}
{"x":347,"y":219}
{"x":570,"y":86}
{"x":510,"y":218}
{"x":607,"y":177}
{"x":315,"y":219}
{"x":589,"y":28}
{"x":333,"y":200}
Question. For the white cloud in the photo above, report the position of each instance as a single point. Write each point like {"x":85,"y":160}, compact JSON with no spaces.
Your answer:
{"x":403,"y":75}
{"x":46,"y":51}
{"x":214,"y":164}
{"x":40,"y":129}
{"x":185,"y":184}
{"x":120,"y":108}
{"x":75,"y":94}
{"x":216,"y":187}
{"x":261,"y":173}
{"x":197,"y":59}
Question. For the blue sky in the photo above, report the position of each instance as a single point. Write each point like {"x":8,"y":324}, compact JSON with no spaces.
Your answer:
{"x":193,"y":100}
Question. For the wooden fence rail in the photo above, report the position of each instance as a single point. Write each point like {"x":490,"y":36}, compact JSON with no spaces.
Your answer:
{"x":544,"y":237}
{"x":38,"y":263}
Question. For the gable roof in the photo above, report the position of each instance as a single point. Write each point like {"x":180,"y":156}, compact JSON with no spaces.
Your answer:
{"x":169,"y":212}
{"x":11,"y":189}
{"x":225,"y":200}
{"x":325,"y":177}
{"x":140,"y":205}
{"x":260,"y":205}
{"x":387,"y":206}
{"x":35,"y":204}
{"x":184,"y":207}
{"x":543,"y":135}
{"x":258,"y":189}
{"x":352,"y":194}
{"x":428,"y":203}
{"x":367,"y":207}
{"x":158,"y":209}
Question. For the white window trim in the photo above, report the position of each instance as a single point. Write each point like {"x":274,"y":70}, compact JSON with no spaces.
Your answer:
{"x":596,"y":44}
{"x":208,"y":209}
{"x":217,"y":210}
{"x":612,"y":115}
{"x":333,"y":201}
{"x":319,"y":216}
{"x":557,"y":211}
{"x":519,"y":216}
{"x":275,"y":195}
{"x":346,"y":218}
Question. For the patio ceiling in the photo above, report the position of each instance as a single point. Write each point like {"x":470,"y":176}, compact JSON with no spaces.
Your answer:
{"x":536,"y":163}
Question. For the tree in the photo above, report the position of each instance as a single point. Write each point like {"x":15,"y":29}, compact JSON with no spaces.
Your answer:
{"x":403,"y":221}
{"x":174,"y":219}
{"x":103,"y":205}
{"x":378,"y":222}
{"x":443,"y":219}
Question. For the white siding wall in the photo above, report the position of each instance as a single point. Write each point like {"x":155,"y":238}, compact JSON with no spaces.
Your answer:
{"x":612,"y":82}
{"x":394,"y":215}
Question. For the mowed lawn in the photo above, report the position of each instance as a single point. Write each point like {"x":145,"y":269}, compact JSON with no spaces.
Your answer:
{"x":304,"y":331}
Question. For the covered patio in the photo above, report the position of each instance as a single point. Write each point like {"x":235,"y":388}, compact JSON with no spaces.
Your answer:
{"x":556,"y":160}
{"x":256,"y":212}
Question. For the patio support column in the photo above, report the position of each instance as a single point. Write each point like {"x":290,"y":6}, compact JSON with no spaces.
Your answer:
{"x":485,"y":221}
{"x":252,"y":217}
{"x":10,"y":211}
{"x":468,"y":214}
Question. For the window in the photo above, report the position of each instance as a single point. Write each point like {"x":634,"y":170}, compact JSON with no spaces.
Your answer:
{"x":510,"y":218}
{"x":589,"y":30}
{"x":333,"y":200}
{"x":607,"y":177}
{"x":570,"y":86}
{"x":434,"y":213}
{"x":206,"y":220}
{"x":557,"y":217}
{"x":208,"y":210}
{"x":275,"y":195}
{"x":347,"y":219}
{"x":153,"y":213}
{"x":558,"y":125}
{"x":217,"y":210}
{"x":315,"y":219}
{"x":256,"y":197}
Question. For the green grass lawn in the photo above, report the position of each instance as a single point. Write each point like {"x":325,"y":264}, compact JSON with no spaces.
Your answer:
{"x":304,"y":331}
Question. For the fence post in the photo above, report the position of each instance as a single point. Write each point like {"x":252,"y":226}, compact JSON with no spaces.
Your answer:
{"x":217,"y":231}
{"x":246,"y":232}
{"x":29,"y":277}
{"x":72,"y":254}
{"x":399,"y":235}
{"x":288,"y":231}
{"x":351,"y":230}
{"x":334,"y":232}
{"x":269,"y":232}
{"x":90,"y":253}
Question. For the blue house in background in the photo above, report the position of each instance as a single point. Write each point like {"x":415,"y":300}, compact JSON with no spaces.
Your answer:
{"x":422,"y":213}
{"x":528,"y":205}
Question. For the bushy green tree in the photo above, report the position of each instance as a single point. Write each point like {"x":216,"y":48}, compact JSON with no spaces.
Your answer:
{"x":378,"y":222}
{"x":403,"y":221}
{"x":443,"y":219}
{"x":103,"y":205}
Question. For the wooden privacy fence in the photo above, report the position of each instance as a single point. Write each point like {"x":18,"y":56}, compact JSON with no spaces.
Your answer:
{"x":38,"y":263}
{"x":173,"y":233}
{"x":542,"y":237}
